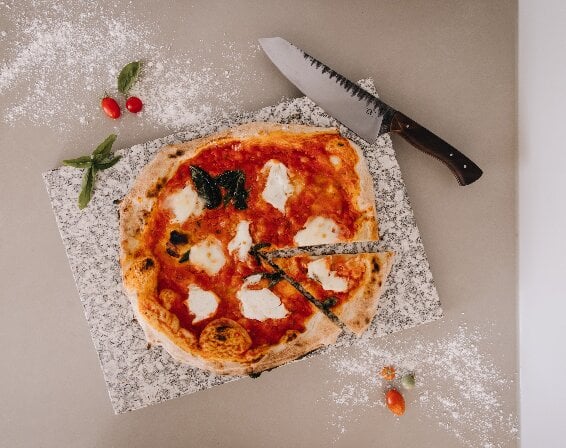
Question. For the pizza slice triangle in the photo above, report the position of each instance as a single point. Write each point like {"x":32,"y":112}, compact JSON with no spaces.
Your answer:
{"x":347,"y":285}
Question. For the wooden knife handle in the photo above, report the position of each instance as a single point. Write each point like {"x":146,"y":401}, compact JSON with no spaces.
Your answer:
{"x":421,"y":138}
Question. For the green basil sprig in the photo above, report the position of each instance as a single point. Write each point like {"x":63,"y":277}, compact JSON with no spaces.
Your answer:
{"x":128,"y":76}
{"x":100,"y":159}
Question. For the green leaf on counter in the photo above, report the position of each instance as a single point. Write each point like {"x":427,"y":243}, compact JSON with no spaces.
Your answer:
{"x":107,"y":164}
{"x":79,"y":162}
{"x":128,"y":76}
{"x":87,"y":187}
{"x":104,"y":150}
{"x":100,"y":159}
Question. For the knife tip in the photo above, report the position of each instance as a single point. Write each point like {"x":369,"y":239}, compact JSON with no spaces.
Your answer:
{"x":265,"y":40}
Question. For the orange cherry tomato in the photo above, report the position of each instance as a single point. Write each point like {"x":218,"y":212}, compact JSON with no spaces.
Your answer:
{"x":388,"y":373}
{"x":395,"y":402}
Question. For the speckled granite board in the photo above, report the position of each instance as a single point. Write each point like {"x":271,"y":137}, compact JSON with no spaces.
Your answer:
{"x":137,"y":377}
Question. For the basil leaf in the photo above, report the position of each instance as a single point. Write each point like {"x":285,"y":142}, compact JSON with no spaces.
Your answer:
{"x":229,"y":178}
{"x":172,"y":252}
{"x":329,"y":303}
{"x":107,"y":164}
{"x":273,"y":277}
{"x":241,"y":195}
{"x":176,"y":237}
{"x":79,"y":162}
{"x":206,"y":187}
{"x":86,"y":187}
{"x":234,"y":183}
{"x":128,"y":76}
{"x":185,"y":256}
{"x":103,"y":150}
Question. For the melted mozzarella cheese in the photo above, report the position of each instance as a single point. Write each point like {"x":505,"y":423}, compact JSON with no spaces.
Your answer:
{"x":260,"y":304}
{"x":242,"y":241}
{"x":201,"y":303}
{"x":318,"y":270}
{"x":184,"y":204}
{"x":208,"y":255}
{"x":278,"y":187}
{"x":335,"y":160}
{"x":318,"y":230}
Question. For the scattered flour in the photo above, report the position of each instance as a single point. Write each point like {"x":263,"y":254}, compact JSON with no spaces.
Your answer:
{"x":63,"y":57}
{"x":457,"y":386}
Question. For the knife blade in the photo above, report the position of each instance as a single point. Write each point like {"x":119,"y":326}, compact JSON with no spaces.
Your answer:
{"x":357,"y":109}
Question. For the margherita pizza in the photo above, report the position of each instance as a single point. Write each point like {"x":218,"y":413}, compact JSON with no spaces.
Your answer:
{"x":199,"y":215}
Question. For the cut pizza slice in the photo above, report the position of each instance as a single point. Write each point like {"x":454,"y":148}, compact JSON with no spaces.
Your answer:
{"x":348,"y":285}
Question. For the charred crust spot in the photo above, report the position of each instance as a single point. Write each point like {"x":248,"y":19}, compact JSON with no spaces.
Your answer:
{"x":368,"y":320}
{"x":148,"y":263}
{"x":254,"y":374}
{"x":176,"y":237}
{"x":222,"y":329}
{"x":117,"y":201}
{"x":145,"y":214}
{"x":177,"y":153}
{"x":375,"y":266}
{"x":340,"y":144}
{"x":291,"y":336}
{"x":148,"y":346}
{"x":379,"y":283}
{"x":154,"y":191}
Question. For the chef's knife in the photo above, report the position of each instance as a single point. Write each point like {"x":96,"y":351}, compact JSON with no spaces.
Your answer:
{"x":359,"y":110}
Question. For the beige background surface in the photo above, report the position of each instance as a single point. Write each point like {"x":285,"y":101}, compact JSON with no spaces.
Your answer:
{"x":448,"y":64}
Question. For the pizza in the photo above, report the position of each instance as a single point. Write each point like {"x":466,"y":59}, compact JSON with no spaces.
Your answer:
{"x":199,"y":220}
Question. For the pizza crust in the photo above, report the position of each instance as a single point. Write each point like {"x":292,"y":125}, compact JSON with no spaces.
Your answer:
{"x":358,"y":313}
{"x":140,"y":268}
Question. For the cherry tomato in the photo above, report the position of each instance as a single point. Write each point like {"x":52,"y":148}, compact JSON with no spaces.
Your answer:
{"x":388,"y":373}
{"x":110,"y":107}
{"x":395,"y":402}
{"x":134,"y":104}
{"x":408,"y":381}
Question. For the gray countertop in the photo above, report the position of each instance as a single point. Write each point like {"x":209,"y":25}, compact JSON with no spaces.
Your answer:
{"x":449,"y":65}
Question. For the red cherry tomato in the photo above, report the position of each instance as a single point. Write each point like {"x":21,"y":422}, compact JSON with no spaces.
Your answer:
{"x":134,"y":104}
{"x":395,"y":402}
{"x":110,"y":107}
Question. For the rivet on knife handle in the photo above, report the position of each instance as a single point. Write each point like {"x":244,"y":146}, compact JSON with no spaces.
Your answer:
{"x":421,"y":138}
